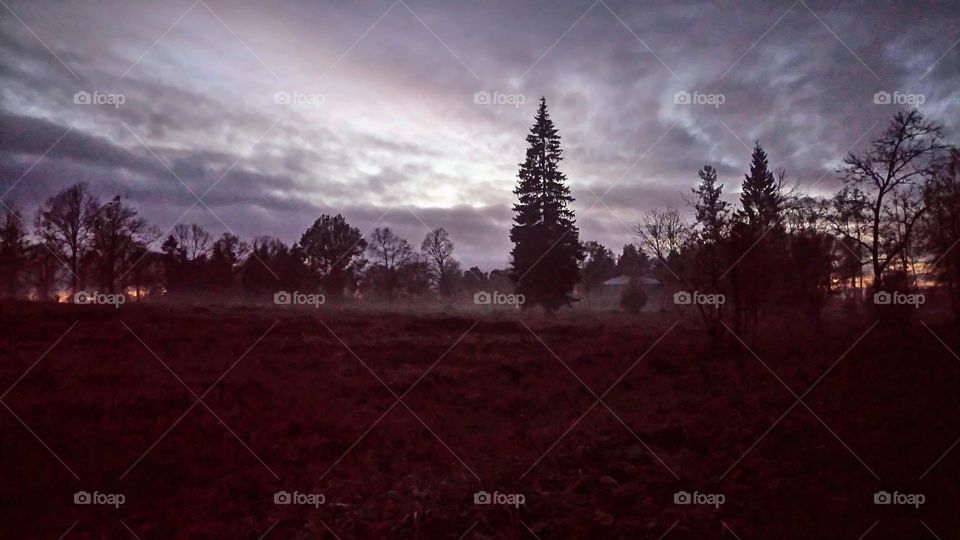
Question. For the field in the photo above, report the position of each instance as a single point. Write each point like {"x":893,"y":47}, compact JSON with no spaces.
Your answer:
{"x":198,"y":416}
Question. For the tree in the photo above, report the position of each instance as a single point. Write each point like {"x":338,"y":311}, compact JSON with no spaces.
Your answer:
{"x":193,"y":240}
{"x":43,"y":267}
{"x":709,"y":240}
{"x":391,"y":254}
{"x":848,"y":217}
{"x":185,"y":254}
{"x":757,"y":248}
{"x":760,"y":195}
{"x":334,"y":253}
{"x":65,"y":223}
{"x":118,"y":235}
{"x":272,"y":267}
{"x":663,"y":233}
{"x":941,"y":231}
{"x":13,"y":254}
{"x":895,"y":162}
{"x":599,"y":265}
{"x":632,"y":262}
{"x":438,"y":249}
{"x":711,"y":211}
{"x":226,"y":256}
{"x":546,"y":252}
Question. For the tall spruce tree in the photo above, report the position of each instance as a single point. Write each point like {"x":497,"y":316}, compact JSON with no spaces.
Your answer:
{"x":546,"y":250}
{"x":760,"y":195}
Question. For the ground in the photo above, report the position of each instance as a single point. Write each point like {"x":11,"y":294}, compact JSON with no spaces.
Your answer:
{"x":398,"y":419}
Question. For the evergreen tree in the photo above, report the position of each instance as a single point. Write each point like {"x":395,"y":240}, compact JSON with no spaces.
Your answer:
{"x":711,"y":210}
{"x":632,"y":262}
{"x":760,"y":195}
{"x":546,"y":252}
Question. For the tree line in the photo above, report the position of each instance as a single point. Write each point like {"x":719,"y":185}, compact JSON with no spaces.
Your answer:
{"x":892,"y":226}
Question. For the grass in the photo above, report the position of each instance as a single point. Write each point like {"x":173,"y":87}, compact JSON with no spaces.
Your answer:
{"x":307,"y":401}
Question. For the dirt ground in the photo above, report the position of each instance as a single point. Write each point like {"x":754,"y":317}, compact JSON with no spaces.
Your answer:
{"x":388,"y":425}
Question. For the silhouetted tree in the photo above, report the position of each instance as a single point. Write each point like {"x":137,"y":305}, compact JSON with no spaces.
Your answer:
{"x":119,"y":234}
{"x":65,"y":223}
{"x":711,"y":225}
{"x":906,"y":153}
{"x":390,"y":254}
{"x":185,"y":255}
{"x":334,"y":253}
{"x":438,"y":248}
{"x":272,"y":267}
{"x":226,"y":255}
{"x":546,"y":253}
{"x":13,"y":254}
{"x":43,"y":268}
{"x":848,"y":218}
{"x":941,"y":231}
{"x":757,"y":247}
{"x":632,"y":262}
{"x":599,"y":265}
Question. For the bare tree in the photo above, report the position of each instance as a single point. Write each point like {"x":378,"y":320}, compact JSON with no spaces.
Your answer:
{"x":388,"y":249}
{"x":65,"y":222}
{"x":438,"y":248}
{"x":663,"y":233}
{"x":119,"y":235}
{"x":192,"y":239}
{"x":894,"y":164}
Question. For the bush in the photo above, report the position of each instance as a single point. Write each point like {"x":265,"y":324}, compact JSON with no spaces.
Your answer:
{"x":633,"y":297}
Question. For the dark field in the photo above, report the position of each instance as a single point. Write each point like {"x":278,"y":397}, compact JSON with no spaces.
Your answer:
{"x":295,"y":401}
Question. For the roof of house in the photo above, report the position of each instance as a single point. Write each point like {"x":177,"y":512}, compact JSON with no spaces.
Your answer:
{"x":620,"y":281}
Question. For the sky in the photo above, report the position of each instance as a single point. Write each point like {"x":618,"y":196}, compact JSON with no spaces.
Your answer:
{"x":257,"y":117}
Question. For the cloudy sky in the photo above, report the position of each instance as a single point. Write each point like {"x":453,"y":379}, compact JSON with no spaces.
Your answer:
{"x":412,"y":113}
